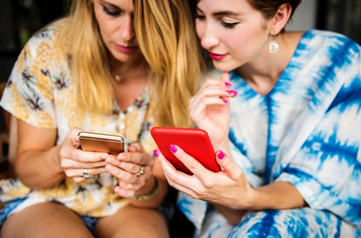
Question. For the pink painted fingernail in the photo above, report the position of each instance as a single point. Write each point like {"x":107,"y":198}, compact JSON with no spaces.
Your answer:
{"x":232,"y":92}
{"x":173,"y":148}
{"x":225,"y":101}
{"x":156,"y":153}
{"x":228,"y":84}
{"x":220,"y":155}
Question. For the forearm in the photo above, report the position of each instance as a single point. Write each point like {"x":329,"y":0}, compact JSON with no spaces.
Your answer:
{"x":39,"y":169}
{"x":277,"y":195}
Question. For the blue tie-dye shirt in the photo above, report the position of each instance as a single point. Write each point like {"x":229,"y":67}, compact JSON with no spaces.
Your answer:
{"x":306,"y":131}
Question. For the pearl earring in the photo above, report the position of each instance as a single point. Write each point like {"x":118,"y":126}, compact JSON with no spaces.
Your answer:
{"x":273,"y":47}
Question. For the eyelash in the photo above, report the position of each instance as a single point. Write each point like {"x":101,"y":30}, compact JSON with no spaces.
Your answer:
{"x":111,"y":12}
{"x":224,"y":24}
{"x":197,"y":16}
{"x":230,"y":25}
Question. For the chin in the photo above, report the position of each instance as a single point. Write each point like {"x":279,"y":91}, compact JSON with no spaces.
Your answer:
{"x":223,"y":66}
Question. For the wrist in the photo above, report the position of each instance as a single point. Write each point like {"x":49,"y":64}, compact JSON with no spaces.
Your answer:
{"x":150,"y":194}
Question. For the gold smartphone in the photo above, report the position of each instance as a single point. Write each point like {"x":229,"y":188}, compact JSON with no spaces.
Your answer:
{"x":97,"y":142}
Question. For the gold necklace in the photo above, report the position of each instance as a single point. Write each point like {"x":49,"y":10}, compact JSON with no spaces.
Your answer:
{"x":117,"y":78}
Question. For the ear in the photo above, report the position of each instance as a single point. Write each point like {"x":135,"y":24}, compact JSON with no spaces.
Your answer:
{"x":280,"y":19}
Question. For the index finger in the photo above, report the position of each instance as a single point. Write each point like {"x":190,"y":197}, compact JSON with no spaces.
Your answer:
{"x":82,"y":156}
{"x":191,"y":163}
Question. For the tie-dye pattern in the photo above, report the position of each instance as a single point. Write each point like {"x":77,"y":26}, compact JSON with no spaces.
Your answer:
{"x":40,"y":92}
{"x":306,"y":131}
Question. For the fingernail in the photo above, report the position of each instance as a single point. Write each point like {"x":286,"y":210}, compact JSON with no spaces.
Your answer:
{"x":173,"y":148}
{"x":232,"y":92}
{"x":156,"y":153}
{"x":225,"y":101}
{"x":228,"y":84}
{"x":220,"y":155}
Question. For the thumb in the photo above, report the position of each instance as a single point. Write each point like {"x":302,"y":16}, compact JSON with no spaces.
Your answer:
{"x":225,"y":77}
{"x":229,"y":167}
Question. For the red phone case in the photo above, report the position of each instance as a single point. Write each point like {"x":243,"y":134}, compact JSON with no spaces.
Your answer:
{"x":194,"y":142}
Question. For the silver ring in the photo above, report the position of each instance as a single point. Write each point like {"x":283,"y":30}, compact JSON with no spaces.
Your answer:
{"x":140,"y":172}
{"x":85,"y":174}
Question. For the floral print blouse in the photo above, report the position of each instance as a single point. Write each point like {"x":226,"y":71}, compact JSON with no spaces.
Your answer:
{"x":39,"y":92}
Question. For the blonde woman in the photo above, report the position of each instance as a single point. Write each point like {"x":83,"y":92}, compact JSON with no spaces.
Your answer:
{"x":110,"y":66}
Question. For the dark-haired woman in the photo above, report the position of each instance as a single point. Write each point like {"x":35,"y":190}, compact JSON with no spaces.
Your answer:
{"x":285,"y":119}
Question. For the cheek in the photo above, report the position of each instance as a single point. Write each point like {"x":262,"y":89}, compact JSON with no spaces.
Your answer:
{"x":244,"y":40}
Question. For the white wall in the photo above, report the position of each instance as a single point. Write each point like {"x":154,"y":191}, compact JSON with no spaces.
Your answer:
{"x":305,"y":16}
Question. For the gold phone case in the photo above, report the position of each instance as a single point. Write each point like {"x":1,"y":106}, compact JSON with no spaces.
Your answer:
{"x":97,"y":142}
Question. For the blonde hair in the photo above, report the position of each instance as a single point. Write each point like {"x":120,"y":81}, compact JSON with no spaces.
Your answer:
{"x":166,"y":36}
{"x":90,"y":67}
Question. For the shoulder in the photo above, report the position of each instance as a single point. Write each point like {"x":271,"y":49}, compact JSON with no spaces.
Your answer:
{"x":332,"y":40}
{"x":50,"y":39}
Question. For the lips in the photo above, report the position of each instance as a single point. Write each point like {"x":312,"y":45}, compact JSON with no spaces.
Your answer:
{"x":125,"y":49}
{"x":214,"y":56}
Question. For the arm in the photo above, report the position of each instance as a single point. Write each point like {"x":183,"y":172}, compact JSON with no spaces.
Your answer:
{"x":41,"y":164}
{"x":229,"y":188}
{"x":37,"y":162}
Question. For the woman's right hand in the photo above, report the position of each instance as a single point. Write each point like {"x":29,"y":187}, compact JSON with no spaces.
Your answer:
{"x":77,"y":163}
{"x":209,"y":108}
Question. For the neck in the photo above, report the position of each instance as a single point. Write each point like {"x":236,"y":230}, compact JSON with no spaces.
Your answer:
{"x":263,"y":72}
{"x":122,"y":72}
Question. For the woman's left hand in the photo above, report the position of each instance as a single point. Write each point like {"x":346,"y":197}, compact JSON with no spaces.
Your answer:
{"x":229,"y":187}
{"x":132,"y":169}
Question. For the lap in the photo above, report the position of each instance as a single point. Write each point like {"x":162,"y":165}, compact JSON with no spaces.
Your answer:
{"x":133,"y":222}
{"x":304,"y":222}
{"x":45,"y":220}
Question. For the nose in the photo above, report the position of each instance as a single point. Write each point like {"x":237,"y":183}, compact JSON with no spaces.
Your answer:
{"x":128,"y":29}
{"x":208,"y":36}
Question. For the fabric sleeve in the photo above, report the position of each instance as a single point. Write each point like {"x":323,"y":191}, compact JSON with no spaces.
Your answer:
{"x":29,"y":93}
{"x":327,"y":169}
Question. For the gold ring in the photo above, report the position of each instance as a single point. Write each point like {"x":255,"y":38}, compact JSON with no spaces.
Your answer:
{"x":140,"y":172}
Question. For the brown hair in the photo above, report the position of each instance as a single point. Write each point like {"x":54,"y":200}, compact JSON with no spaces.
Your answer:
{"x":268,"y":8}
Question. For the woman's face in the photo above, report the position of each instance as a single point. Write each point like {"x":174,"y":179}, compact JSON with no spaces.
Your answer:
{"x":232,"y":32}
{"x":115,"y":20}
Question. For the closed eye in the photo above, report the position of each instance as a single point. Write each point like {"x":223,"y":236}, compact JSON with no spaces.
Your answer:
{"x":110,"y":11}
{"x":230,"y":25}
{"x":199,"y":17}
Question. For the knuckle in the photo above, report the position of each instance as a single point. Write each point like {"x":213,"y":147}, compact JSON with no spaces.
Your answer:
{"x":171,"y":178}
{"x":209,"y":184}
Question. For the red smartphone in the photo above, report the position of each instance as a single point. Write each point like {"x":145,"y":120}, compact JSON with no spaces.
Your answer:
{"x":194,"y":142}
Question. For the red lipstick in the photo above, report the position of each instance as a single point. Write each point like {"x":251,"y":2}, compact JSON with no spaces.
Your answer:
{"x":125,"y":49}
{"x":214,"y":56}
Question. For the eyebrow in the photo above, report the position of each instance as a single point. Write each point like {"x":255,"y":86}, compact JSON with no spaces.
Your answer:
{"x":109,"y":4}
{"x":224,"y":13}
{"x":227,"y":13}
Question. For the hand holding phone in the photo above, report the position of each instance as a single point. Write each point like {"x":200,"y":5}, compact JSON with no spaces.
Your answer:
{"x":97,"y":142}
{"x":194,"y":142}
